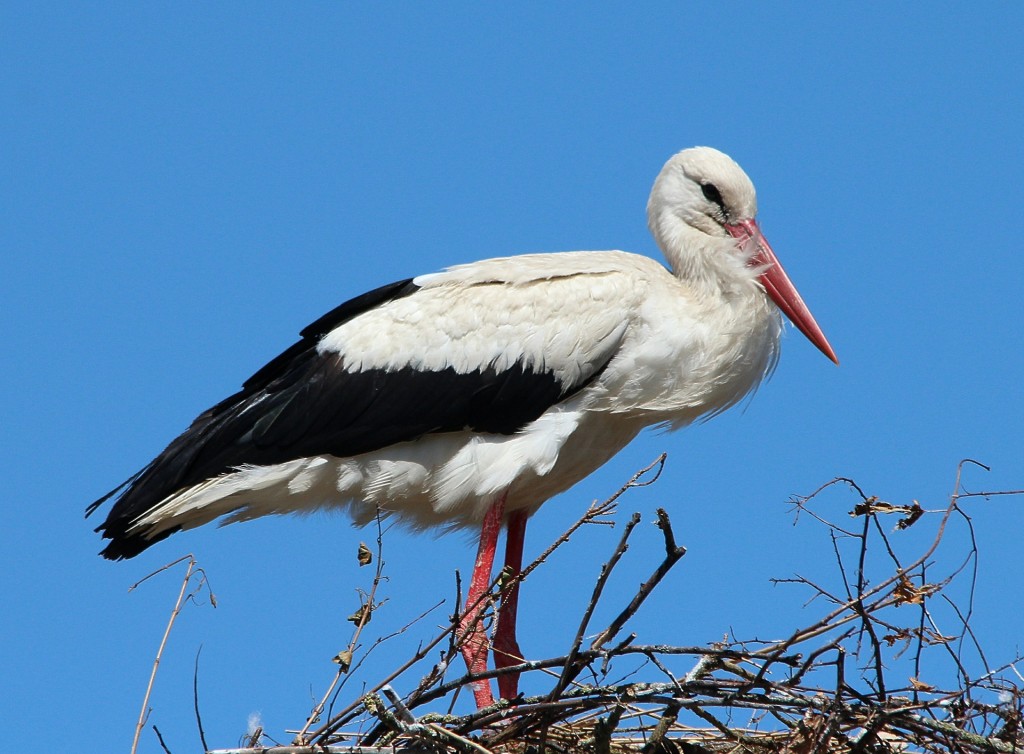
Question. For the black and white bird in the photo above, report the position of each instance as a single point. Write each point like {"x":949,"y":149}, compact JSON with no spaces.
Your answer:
{"x":469,"y":397}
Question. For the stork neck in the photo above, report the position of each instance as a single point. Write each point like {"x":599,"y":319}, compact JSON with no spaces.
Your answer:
{"x":712,"y":265}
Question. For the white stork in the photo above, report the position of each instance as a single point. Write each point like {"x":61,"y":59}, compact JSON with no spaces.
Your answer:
{"x":469,"y":397}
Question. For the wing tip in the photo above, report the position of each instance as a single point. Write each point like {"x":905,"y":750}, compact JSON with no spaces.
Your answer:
{"x":123,"y":545}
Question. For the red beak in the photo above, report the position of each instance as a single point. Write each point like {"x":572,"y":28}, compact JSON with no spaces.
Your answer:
{"x":781,"y":289}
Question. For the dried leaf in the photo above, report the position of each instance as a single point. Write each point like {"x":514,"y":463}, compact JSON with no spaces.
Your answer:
{"x":873,"y":505}
{"x":915,"y":512}
{"x":908,"y":593}
{"x":902,"y":634}
{"x":933,"y":637}
{"x":344,"y":659}
{"x":365,"y":556}
{"x":863,"y":509}
{"x":921,"y":685}
{"x":504,"y":578}
{"x":357,"y":616}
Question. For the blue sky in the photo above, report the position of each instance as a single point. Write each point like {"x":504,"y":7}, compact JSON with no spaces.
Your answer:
{"x":185,"y":187}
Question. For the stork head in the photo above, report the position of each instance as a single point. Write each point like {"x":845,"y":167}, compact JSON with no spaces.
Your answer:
{"x":702,"y":212}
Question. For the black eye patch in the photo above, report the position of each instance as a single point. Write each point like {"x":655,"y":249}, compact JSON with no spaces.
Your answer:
{"x":712,"y":194}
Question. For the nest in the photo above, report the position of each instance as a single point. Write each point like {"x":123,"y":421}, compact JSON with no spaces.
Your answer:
{"x":829,"y":687}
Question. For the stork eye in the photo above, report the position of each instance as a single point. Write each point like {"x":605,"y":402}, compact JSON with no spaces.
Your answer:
{"x":712,"y":194}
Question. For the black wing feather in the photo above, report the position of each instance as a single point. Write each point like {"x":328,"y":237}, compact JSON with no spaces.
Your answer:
{"x":312,"y":333}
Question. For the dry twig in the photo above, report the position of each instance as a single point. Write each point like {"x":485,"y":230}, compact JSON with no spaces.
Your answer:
{"x":183,"y":594}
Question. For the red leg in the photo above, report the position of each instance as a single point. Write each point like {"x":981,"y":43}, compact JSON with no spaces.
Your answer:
{"x":474,"y":640}
{"x":506,"y":648}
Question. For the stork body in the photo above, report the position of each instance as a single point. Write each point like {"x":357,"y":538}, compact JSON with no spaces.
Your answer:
{"x":469,"y":397}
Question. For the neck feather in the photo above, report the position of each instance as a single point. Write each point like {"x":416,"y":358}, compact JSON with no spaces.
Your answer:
{"x":714,"y":265}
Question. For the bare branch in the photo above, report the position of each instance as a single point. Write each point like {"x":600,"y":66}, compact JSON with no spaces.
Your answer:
{"x":183,"y":594}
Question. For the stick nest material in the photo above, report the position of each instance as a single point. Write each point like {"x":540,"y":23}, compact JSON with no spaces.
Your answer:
{"x":874,"y":674}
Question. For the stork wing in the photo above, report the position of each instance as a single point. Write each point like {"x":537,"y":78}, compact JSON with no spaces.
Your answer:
{"x":439,"y":354}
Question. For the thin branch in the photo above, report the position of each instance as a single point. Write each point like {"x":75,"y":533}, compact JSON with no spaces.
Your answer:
{"x":672,"y":556}
{"x":569,"y":670}
{"x":364,"y":614}
{"x":195,"y":700}
{"x":182,"y":595}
